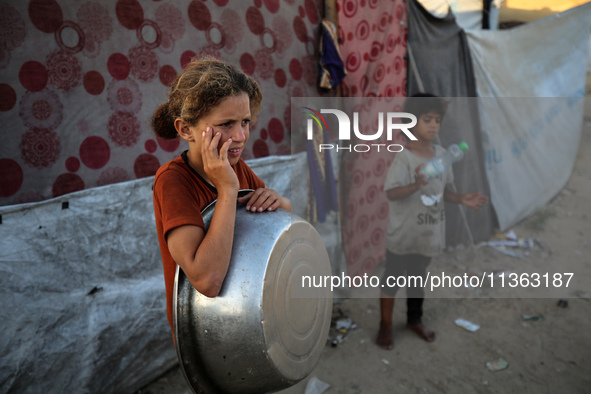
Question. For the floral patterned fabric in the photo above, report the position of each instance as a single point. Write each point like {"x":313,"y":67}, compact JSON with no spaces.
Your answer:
{"x":373,"y":46}
{"x":80,"y":79}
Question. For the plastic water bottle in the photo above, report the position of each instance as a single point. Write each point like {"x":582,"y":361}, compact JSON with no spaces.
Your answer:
{"x":439,"y":164}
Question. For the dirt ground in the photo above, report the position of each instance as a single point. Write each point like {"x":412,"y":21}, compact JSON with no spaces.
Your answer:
{"x":544,"y":356}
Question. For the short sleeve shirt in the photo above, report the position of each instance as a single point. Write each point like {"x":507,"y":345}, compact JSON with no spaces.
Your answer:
{"x":180,"y":195}
{"x":414,"y":227}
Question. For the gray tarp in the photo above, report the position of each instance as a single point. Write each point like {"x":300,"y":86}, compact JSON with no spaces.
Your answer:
{"x":439,"y":49}
{"x":82,"y":291}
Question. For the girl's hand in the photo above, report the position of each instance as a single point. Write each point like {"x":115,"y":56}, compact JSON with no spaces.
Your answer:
{"x":215,"y":163}
{"x":262,"y":199}
{"x":474,"y":200}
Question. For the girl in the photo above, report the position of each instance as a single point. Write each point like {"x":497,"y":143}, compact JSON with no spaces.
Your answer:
{"x":210,"y":105}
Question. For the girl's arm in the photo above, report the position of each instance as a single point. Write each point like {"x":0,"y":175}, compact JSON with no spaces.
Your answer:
{"x":205,"y":258}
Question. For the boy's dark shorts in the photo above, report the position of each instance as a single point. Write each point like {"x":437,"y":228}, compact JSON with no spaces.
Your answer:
{"x":404,"y":265}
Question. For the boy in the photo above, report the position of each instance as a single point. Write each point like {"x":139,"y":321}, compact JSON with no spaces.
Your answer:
{"x":416,"y":226}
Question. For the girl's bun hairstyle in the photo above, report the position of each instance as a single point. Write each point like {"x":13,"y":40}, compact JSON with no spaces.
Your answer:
{"x":201,"y":86}
{"x":163,"y":122}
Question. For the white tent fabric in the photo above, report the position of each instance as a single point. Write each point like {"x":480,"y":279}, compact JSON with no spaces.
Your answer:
{"x":531,"y":143}
{"x":83,"y":301}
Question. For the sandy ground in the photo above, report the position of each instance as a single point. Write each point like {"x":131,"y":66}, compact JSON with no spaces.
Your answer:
{"x":544,"y":356}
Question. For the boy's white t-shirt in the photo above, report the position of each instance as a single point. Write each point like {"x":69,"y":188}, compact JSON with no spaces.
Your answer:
{"x":412,"y":226}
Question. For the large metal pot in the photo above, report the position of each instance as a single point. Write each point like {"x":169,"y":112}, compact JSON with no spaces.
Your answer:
{"x":255,"y":336}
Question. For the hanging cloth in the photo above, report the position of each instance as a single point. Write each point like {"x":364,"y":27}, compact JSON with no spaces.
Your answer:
{"x":332,"y":67}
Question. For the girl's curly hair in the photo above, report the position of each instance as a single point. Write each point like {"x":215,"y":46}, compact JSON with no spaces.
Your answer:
{"x":202,"y":85}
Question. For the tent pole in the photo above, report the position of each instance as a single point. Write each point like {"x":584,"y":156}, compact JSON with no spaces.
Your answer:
{"x":413,"y":67}
{"x":461,"y":208}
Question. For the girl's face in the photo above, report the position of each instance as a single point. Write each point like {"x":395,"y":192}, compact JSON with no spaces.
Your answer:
{"x":231,"y":117}
{"x":427,"y":126}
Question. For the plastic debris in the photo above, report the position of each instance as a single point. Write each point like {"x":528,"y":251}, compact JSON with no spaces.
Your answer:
{"x":344,"y":323}
{"x":465,"y":324}
{"x":385,"y":361}
{"x":497,"y":365}
{"x":562,"y":304}
{"x":502,"y":241}
{"x":340,"y":329}
{"x":505,"y":251}
{"x":529,"y":243}
{"x":537,"y":317}
{"x":510,"y":235}
{"x":316,"y":386}
{"x":334,"y":341}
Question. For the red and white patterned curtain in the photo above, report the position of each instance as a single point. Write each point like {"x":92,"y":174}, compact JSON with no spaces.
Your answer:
{"x":80,"y":79}
{"x":373,"y":35}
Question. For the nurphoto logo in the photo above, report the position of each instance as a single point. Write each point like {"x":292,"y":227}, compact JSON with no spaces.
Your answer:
{"x":345,"y":130}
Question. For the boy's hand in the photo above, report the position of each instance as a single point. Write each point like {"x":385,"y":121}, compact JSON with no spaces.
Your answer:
{"x":420,"y":179}
{"x":262,"y":199}
{"x":474,"y":200}
{"x":216,"y":164}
